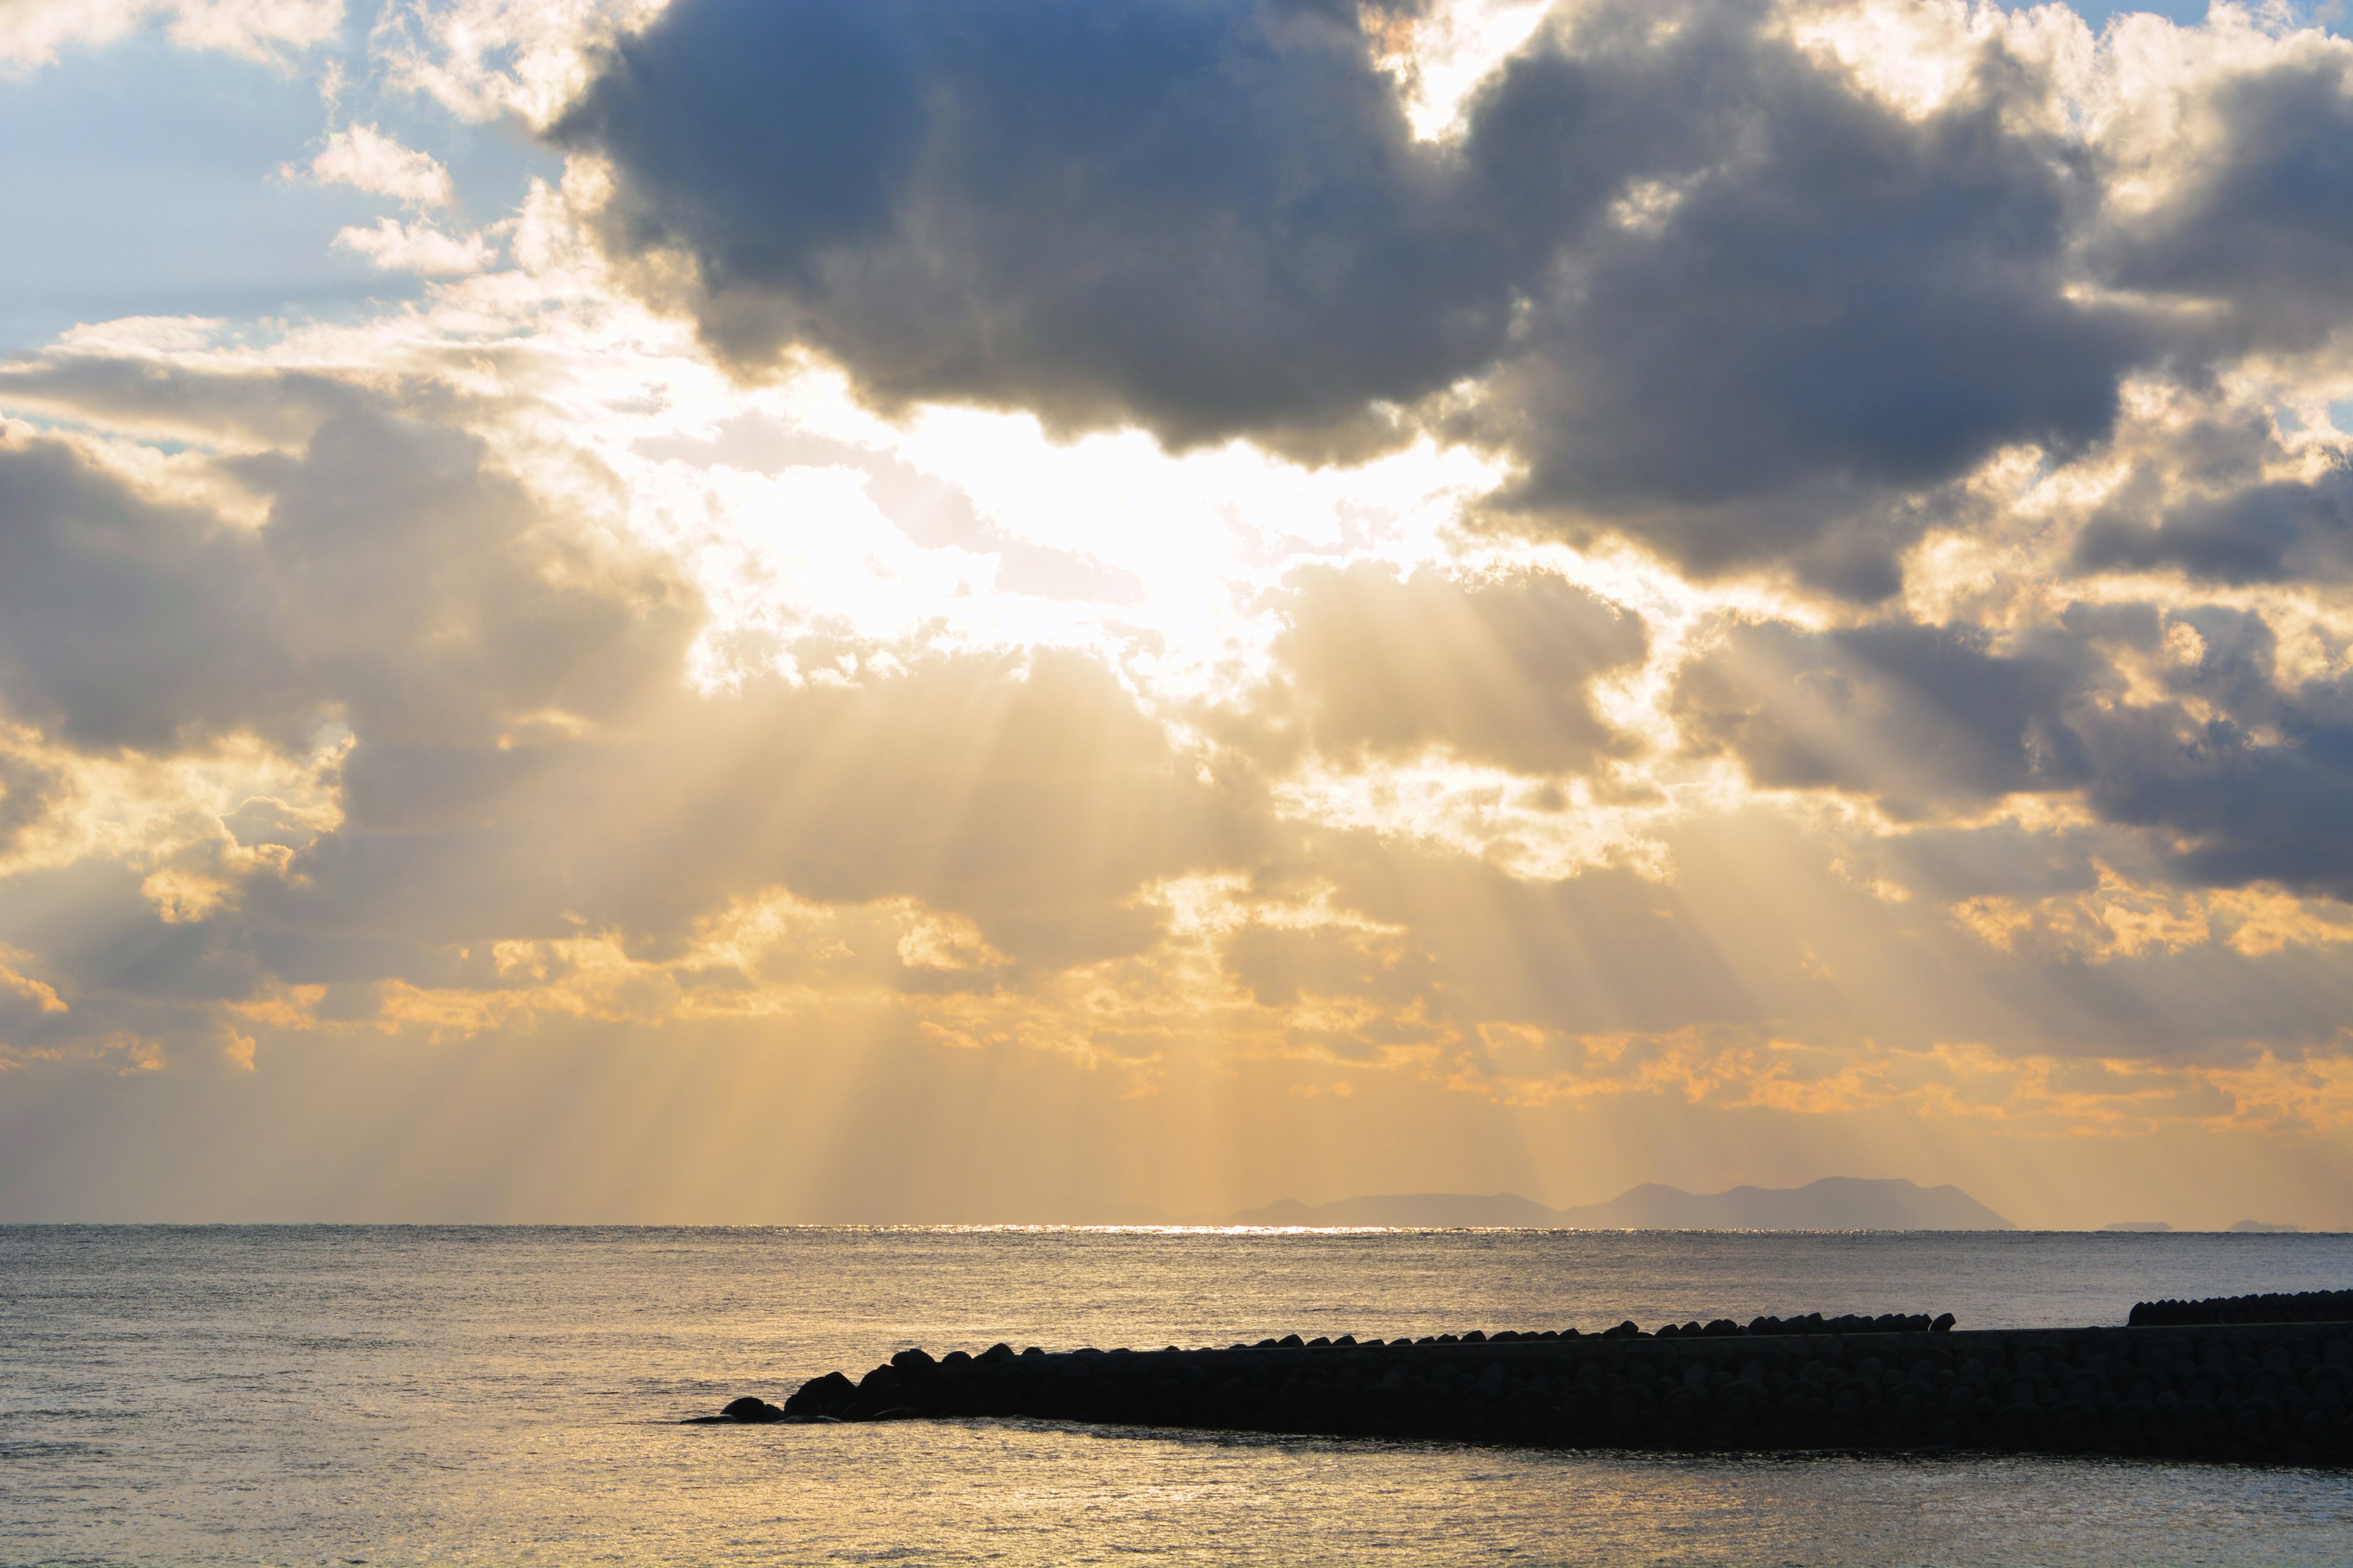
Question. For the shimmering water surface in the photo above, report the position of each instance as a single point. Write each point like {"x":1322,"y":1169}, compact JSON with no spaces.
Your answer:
{"x":394,"y":1396}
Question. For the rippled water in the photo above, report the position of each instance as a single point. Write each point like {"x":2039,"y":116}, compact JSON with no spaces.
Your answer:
{"x":394,"y":1396}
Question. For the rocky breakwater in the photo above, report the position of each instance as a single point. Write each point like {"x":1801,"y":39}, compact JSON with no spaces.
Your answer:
{"x":2271,"y":1392}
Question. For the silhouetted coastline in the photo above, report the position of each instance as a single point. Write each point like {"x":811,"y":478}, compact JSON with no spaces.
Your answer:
{"x":2185,"y":1381}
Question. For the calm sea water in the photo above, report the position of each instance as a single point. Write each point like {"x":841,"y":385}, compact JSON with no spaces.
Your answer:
{"x":506,"y":1395}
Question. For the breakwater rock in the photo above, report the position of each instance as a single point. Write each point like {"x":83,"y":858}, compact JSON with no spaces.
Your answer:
{"x":2305,"y":1307}
{"x":2279,"y":1393}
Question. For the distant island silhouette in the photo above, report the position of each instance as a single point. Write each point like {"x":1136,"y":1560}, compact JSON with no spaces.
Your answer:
{"x":2244,"y":1227}
{"x":1834,"y":1203}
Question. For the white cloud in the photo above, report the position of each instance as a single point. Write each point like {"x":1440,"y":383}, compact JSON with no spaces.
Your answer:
{"x":1439,"y":55}
{"x":33,"y":31}
{"x":483,"y":58}
{"x":418,"y":248}
{"x":366,"y":158}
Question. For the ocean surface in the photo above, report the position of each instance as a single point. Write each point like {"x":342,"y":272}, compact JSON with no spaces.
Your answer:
{"x":392,"y":1396}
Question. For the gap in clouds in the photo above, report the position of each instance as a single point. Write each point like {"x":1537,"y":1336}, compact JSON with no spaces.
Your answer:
{"x":151,"y":180}
{"x":141,"y":183}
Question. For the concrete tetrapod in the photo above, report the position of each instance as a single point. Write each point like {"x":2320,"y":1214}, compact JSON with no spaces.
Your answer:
{"x":2274,"y":1393}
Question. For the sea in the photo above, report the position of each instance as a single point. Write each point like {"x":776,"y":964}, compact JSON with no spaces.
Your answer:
{"x":511,"y":1394}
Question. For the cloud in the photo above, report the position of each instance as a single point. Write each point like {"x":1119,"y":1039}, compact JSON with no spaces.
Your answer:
{"x":1217,"y":223}
{"x":2175,"y":721}
{"x":2277,"y":530}
{"x":1916,"y":716}
{"x":368,"y":160}
{"x":125,"y":379}
{"x":2253,"y":211}
{"x":23,"y":990}
{"x":1753,"y":565}
{"x":1701,"y":277}
{"x":124,"y":619}
{"x":1970,"y":1084}
{"x":1027,"y":795}
{"x":481,"y":59}
{"x":1497,"y":671}
{"x":32,"y":32}
{"x":1796,"y":284}
{"x":399,"y":585}
{"x":510,"y":690}
{"x":418,"y":248}
{"x":399,"y":735}
{"x":1213,"y":219}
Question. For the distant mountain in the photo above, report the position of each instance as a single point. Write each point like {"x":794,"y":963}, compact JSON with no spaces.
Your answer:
{"x":2151,"y":1224}
{"x":1834,"y":1203}
{"x":2257,"y":1227}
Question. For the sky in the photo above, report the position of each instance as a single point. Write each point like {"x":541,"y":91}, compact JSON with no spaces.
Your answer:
{"x":767,"y":611}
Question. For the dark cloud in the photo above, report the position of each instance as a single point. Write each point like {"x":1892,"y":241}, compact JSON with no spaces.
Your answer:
{"x":124,"y":977}
{"x":1722,"y":296}
{"x":2261,"y":218}
{"x":2278,"y":532}
{"x":1921,"y":717}
{"x":1497,"y":671}
{"x":399,"y":584}
{"x":2220,"y":496}
{"x":1806,"y":290}
{"x":1208,"y":216}
{"x":31,"y":789}
{"x":126,"y":623}
{"x":2248,"y":775}
{"x":2240,"y":778}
